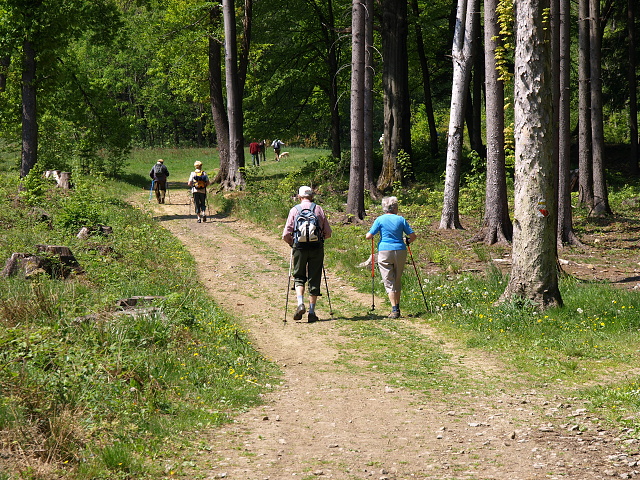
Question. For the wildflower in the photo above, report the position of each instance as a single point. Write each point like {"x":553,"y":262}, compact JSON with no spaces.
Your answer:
{"x":579,"y":310}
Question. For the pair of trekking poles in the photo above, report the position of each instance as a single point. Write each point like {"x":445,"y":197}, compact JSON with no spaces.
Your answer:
{"x":326,"y":286}
{"x":373,"y":275}
{"x":153,"y":184}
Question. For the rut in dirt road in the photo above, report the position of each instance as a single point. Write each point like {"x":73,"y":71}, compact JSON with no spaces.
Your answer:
{"x":329,"y":420}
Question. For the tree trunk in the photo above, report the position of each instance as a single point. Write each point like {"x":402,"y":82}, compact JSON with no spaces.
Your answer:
{"x":355,"y":198}
{"x":497,"y":226}
{"x":234,"y":178}
{"x":584,"y":108}
{"x":633,"y":93}
{"x":534,"y":275}
{"x":369,"y":181}
{"x":600,"y":195}
{"x":245,"y":45}
{"x":566,"y":234}
{"x":475,"y":136}
{"x":29,"y":110}
{"x":426,"y":81}
{"x":395,"y":83}
{"x":4,"y":67}
{"x":218,"y":110}
{"x":461,"y":53}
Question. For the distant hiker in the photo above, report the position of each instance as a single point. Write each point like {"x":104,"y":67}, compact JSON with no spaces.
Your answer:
{"x":392,"y":251}
{"x":262,"y":154}
{"x":199,"y":181}
{"x":277,"y":146}
{"x":254,"y":150}
{"x":159,"y":173}
{"x":305,"y":231}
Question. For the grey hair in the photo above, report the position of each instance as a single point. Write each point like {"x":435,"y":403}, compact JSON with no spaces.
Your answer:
{"x":389,"y":204}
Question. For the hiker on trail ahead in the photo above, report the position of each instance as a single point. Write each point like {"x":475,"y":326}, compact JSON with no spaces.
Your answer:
{"x":392,"y":251}
{"x":254,"y":150}
{"x":159,"y":173}
{"x":277,"y":145}
{"x":199,"y":181}
{"x":305,"y":231}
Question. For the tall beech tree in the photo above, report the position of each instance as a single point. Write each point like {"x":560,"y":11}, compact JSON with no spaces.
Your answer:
{"x":233,"y":177}
{"x":497,"y":226}
{"x":369,"y":76}
{"x":600,"y":195}
{"x":566,"y":233}
{"x":534,"y":274}
{"x":395,"y":74}
{"x":462,"y":60}
{"x":355,"y":198}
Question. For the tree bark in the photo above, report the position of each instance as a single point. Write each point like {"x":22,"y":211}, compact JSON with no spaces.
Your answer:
{"x":461,"y":53}
{"x":566,"y":233}
{"x":395,"y":83}
{"x":497,"y":226}
{"x":584,"y":108}
{"x":369,"y":180}
{"x":234,"y":178}
{"x":475,"y":135}
{"x":218,"y":110}
{"x":600,"y":196}
{"x":534,"y":275}
{"x":633,"y":92}
{"x":355,"y":198}
{"x":29,"y":110}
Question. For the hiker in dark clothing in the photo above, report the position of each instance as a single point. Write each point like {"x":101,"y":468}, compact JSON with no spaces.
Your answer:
{"x":159,"y":173}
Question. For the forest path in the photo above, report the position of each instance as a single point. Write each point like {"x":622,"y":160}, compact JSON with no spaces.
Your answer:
{"x":335,"y":414}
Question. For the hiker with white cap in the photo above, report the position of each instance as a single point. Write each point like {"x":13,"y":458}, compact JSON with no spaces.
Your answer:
{"x":305,"y":231}
{"x":199,"y":181}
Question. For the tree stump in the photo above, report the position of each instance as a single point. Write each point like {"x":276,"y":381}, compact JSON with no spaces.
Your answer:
{"x":54,"y":260}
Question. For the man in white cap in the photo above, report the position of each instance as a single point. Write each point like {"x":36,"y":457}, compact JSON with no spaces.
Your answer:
{"x":305,"y":231}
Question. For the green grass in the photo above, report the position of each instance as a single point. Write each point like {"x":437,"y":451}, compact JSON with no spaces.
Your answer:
{"x":111,"y":390}
{"x":101,"y":393}
{"x":595,"y":333}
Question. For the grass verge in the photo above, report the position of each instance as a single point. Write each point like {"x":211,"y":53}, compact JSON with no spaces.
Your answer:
{"x":92,"y":391}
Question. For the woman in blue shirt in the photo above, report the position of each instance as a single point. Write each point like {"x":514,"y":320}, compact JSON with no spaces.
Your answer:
{"x":392,"y":251}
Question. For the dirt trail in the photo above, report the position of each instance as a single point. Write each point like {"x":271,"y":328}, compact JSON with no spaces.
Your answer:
{"x":326,"y":422}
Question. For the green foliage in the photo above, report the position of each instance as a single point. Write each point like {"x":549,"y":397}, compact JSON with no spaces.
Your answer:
{"x":110,"y":389}
{"x":80,"y":209}
{"x":404,"y":163}
{"x":34,"y":186}
{"x":324,"y":174}
{"x":506,"y":43}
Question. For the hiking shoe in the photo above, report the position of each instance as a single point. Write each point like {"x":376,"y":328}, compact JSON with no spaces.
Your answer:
{"x":394,"y":314}
{"x":299,"y":312}
{"x":312,"y":317}
{"x":199,"y":220}
{"x":204,"y":218}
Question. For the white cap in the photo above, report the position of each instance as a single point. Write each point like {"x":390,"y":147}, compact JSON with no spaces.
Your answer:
{"x":305,"y":192}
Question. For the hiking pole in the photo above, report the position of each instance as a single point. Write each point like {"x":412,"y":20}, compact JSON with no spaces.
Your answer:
{"x":417,"y":275}
{"x":373,"y":274}
{"x":327,"y":287}
{"x":151,"y":190}
{"x":286,"y":305}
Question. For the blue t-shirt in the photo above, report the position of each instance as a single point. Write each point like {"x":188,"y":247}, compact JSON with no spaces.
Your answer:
{"x":391,"y":228}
